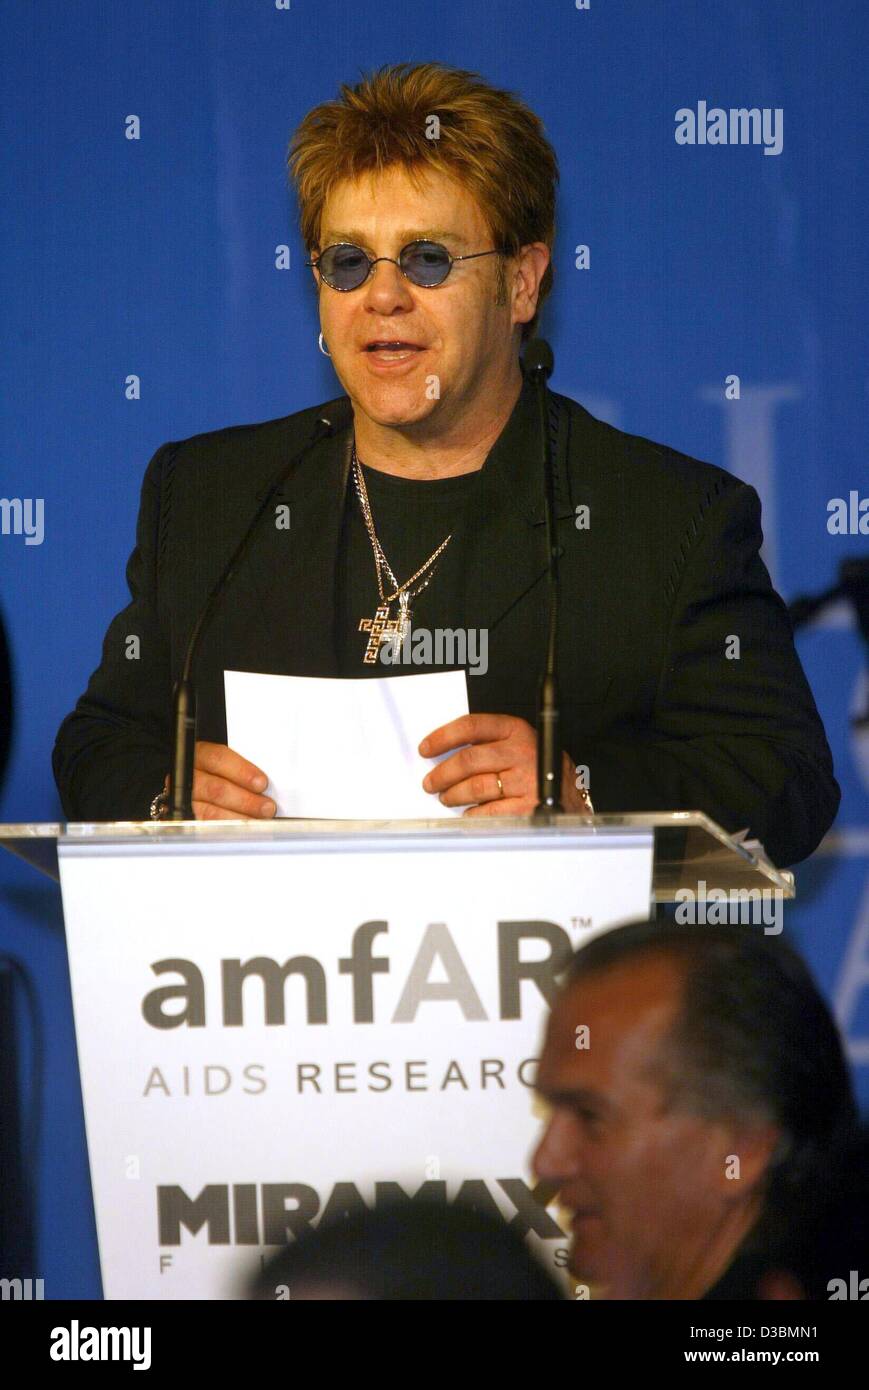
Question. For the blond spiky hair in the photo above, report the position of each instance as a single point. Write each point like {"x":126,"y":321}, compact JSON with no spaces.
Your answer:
{"x":489,"y":141}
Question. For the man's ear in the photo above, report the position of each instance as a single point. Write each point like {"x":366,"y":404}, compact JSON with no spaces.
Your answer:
{"x":528,"y":270}
{"x":753,"y":1148}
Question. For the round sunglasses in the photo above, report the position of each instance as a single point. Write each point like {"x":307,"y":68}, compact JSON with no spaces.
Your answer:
{"x":424,"y":263}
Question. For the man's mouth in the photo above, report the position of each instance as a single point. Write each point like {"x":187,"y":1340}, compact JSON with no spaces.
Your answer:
{"x":392,"y":349}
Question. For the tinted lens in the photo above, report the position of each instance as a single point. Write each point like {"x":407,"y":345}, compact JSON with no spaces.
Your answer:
{"x":344,"y":267}
{"x":425,"y":263}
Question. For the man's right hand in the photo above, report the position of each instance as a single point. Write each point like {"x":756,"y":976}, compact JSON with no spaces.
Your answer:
{"x":227,"y":787}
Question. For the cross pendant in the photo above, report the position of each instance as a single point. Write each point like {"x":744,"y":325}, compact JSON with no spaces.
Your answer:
{"x":381,"y":628}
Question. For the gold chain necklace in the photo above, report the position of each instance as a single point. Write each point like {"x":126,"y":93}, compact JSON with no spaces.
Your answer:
{"x":381,"y":628}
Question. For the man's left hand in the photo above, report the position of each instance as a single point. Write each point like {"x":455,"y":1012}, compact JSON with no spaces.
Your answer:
{"x":490,"y":746}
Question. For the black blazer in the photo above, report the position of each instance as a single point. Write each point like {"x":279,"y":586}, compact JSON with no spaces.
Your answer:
{"x":666,"y":573}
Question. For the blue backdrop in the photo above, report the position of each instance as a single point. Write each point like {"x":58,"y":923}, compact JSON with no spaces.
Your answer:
{"x":155,"y":257}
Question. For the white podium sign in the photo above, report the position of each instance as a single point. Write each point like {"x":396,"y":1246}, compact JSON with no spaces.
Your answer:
{"x":274,"y":1030}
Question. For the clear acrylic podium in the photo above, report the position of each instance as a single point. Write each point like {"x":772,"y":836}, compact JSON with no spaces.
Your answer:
{"x":689,"y":848}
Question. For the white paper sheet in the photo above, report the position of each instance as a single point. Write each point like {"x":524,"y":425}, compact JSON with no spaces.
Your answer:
{"x":343,"y":749}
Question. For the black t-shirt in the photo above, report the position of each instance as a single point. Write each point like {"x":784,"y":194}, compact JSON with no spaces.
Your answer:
{"x":411,"y":518}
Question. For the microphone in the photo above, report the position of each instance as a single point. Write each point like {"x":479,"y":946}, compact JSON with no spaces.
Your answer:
{"x":539,"y":362}
{"x":184,"y":698}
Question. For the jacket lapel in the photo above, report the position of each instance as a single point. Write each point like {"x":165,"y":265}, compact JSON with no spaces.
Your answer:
{"x":505,"y":545}
{"x":293,"y":571}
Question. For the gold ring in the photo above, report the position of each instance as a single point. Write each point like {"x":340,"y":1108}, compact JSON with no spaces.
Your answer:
{"x":500,"y":785}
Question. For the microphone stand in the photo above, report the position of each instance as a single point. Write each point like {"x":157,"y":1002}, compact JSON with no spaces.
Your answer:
{"x":539,"y":363}
{"x":184,"y":698}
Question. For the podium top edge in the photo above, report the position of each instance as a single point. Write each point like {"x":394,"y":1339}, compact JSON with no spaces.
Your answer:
{"x":679,"y":837}
{"x":116,"y":831}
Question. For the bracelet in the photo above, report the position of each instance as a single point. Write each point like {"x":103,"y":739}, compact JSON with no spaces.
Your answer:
{"x":160,"y":806}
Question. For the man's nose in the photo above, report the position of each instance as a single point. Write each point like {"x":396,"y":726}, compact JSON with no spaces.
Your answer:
{"x":557,"y":1157}
{"x":387,"y":289}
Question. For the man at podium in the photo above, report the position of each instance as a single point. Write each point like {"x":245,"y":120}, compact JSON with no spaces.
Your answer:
{"x":427,"y":207}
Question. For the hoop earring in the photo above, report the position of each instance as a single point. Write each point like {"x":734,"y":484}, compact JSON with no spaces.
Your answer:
{"x":320,"y":346}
